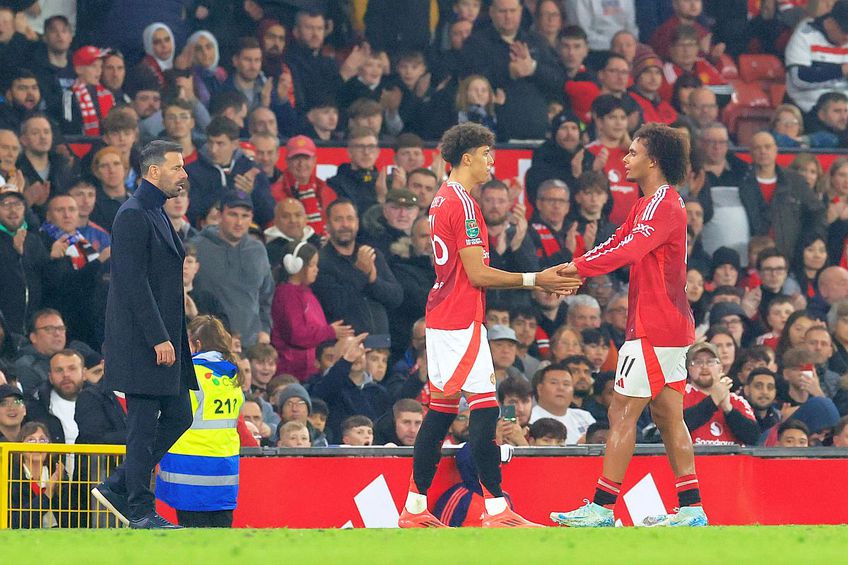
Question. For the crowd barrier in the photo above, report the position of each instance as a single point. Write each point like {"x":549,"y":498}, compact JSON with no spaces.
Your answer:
{"x":60,"y":495}
{"x":365,"y":487}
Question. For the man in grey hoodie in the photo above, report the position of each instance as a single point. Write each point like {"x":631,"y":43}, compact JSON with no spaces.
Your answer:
{"x":234,"y":268}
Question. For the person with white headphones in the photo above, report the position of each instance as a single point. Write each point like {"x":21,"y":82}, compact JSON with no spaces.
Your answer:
{"x":299,"y":323}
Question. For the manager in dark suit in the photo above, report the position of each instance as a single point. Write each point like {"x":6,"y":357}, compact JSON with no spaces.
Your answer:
{"x":146,"y":346}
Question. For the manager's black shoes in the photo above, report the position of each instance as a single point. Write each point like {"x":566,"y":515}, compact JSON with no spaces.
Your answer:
{"x":113,"y":502}
{"x":153,"y":521}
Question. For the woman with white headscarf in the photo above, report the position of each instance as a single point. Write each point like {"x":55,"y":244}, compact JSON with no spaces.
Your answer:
{"x":208,"y":76}
{"x":158,"y":42}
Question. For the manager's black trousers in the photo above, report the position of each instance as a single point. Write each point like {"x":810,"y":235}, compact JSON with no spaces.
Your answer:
{"x":154,"y":423}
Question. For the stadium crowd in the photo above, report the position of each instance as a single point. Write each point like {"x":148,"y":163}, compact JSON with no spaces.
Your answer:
{"x":323,"y":281}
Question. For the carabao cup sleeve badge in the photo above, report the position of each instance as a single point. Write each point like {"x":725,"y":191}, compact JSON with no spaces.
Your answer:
{"x":472,"y":230}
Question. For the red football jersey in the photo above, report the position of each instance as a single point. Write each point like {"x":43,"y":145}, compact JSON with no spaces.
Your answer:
{"x":624,"y":192}
{"x":456,"y":222}
{"x":652,"y":240}
{"x":716,"y":431}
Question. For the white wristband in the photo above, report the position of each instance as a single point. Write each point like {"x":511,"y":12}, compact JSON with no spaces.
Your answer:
{"x":528,"y":279}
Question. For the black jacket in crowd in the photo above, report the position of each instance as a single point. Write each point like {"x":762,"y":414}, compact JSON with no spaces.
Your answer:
{"x":21,"y":280}
{"x":416,"y":276}
{"x":524,"y":115}
{"x":345,"y":293}
{"x":100,"y":417}
{"x":357,"y":185}
{"x":209,"y":183}
{"x":344,"y":398}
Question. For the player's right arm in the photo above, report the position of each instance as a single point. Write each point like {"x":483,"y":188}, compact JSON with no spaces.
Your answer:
{"x":483,"y":276}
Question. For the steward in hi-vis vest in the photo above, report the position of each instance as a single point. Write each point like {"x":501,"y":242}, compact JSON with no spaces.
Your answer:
{"x":200,"y":473}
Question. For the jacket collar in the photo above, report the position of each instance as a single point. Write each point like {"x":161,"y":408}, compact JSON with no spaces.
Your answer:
{"x":149,"y":195}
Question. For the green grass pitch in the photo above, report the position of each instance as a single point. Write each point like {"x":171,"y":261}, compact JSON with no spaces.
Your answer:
{"x":713,"y":545}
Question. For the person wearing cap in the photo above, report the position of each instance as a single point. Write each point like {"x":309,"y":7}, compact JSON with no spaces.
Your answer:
{"x":90,"y":101}
{"x":12,"y":412}
{"x":504,"y":346}
{"x":560,"y":157}
{"x":820,"y":416}
{"x":24,"y":259}
{"x":810,"y":70}
{"x":223,"y":167}
{"x":387,"y":227}
{"x":234,"y":268}
{"x":713,"y":414}
{"x":646,"y":89}
{"x":300,"y":181}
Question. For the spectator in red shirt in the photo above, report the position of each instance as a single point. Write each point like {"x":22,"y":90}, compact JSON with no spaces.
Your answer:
{"x":684,"y":58}
{"x":609,"y":149}
{"x":686,"y":13}
{"x":300,"y":181}
{"x":713,"y":414}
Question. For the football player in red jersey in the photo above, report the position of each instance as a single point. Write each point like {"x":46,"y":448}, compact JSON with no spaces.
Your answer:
{"x":458,"y":356}
{"x":660,"y":328}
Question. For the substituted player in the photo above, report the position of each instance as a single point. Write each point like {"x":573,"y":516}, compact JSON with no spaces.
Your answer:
{"x":660,"y":328}
{"x":458,"y":356}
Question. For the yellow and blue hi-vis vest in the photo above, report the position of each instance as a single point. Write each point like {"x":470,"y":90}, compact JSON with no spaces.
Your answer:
{"x":201,"y":470}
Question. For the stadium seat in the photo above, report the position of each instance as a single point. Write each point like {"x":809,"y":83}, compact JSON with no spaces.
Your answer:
{"x":727,"y":67}
{"x":744,"y":121}
{"x":761,"y":68}
{"x":749,"y":95}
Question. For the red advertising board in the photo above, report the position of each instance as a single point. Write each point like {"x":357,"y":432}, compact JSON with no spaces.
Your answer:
{"x":336,"y":492}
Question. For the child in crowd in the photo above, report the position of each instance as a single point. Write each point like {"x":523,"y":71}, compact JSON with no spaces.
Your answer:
{"x":294,"y":434}
{"x":476,"y":102}
{"x":357,"y":431}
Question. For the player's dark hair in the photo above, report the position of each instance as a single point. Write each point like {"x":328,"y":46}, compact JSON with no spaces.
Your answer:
{"x":464,"y":138}
{"x":668,"y":148}
{"x":793,"y":424}
{"x":514,"y":386}
{"x":548,"y":427}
